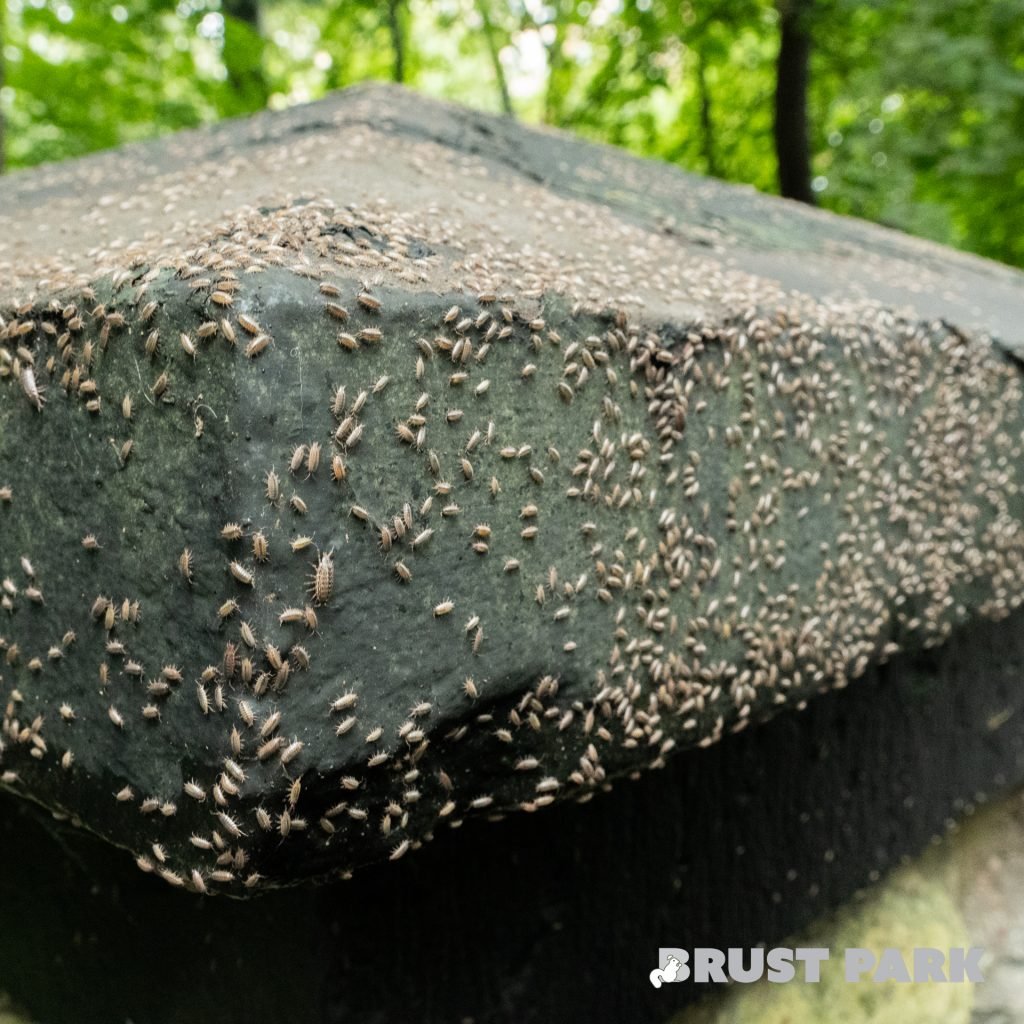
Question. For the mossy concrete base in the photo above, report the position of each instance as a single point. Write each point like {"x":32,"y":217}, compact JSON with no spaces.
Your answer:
{"x":8,"y":1014}
{"x":966,"y":891}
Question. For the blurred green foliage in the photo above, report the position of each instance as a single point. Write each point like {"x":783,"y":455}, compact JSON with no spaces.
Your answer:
{"x":917,"y":106}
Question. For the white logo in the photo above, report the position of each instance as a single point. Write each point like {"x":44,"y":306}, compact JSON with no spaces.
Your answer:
{"x":666,"y":973}
{"x":780,"y":965}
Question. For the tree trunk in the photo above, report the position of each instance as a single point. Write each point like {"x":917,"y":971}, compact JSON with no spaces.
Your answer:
{"x":791,"y":138}
{"x":397,"y":39}
{"x":707,"y":128}
{"x":492,"y":49}
{"x":244,"y":64}
{"x":556,"y":58}
{"x":244,"y":10}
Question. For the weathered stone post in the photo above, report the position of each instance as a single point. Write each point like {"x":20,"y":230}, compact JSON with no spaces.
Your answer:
{"x":378,"y":467}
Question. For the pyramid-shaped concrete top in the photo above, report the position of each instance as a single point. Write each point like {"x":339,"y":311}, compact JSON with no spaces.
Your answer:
{"x":383,"y":144}
{"x":377,"y":464}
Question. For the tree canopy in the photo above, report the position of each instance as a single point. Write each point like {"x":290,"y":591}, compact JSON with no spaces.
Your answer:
{"x":910,"y":112}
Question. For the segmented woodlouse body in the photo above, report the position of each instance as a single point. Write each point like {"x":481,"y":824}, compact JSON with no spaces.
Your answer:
{"x":321,"y":582}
